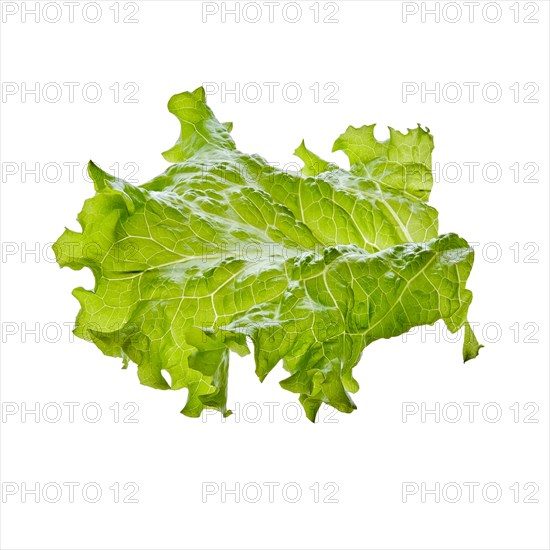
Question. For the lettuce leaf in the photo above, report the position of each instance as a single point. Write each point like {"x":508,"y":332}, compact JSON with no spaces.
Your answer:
{"x":223,"y":249}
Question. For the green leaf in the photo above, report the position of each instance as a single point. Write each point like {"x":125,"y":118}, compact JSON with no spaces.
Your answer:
{"x":403,"y":162}
{"x":313,"y":165}
{"x":223,"y":248}
{"x":471,"y":347}
{"x":199,"y":127}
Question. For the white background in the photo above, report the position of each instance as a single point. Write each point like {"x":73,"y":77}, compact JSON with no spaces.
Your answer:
{"x":369,"y":53}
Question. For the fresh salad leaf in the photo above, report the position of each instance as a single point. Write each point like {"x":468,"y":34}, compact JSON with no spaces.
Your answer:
{"x":223,"y":249}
